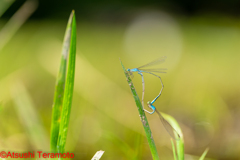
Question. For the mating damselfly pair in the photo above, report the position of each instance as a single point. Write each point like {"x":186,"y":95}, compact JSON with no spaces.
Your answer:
{"x":142,"y":69}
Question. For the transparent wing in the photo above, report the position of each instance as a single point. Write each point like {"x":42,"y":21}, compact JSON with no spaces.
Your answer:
{"x":172,"y":132}
{"x":157,"y":70}
{"x":155,"y":62}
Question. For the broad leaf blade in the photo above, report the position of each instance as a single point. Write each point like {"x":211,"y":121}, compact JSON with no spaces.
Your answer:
{"x":68,"y":93}
{"x":59,"y":89}
{"x":180,"y":142}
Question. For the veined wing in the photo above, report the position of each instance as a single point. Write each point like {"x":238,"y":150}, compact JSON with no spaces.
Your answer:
{"x":157,"y":70}
{"x":172,"y":132}
{"x":155,"y":62}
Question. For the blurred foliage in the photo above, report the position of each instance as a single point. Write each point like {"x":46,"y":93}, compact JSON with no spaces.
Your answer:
{"x":201,"y":89}
{"x":120,"y":9}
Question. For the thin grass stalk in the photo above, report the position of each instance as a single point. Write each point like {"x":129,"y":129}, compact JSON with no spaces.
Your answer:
{"x":143,"y":117}
{"x":204,"y":154}
{"x":29,"y":116}
{"x":16,"y":21}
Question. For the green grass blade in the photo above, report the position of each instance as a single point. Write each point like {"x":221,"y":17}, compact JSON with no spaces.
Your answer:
{"x":174,"y":150}
{"x":29,"y":116}
{"x":68,"y":93}
{"x":16,"y":21}
{"x":180,"y":142}
{"x":143,"y":117}
{"x":59,"y":89}
{"x":204,"y":154}
{"x":4,"y":5}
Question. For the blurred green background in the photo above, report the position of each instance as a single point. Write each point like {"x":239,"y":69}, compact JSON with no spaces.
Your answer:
{"x":201,"y":42}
